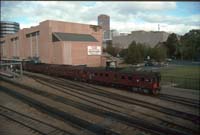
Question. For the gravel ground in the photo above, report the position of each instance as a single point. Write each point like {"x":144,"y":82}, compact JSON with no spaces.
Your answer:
{"x":9,"y":127}
{"x":17,"y":105}
{"x":97,"y":101}
{"x":110,"y":124}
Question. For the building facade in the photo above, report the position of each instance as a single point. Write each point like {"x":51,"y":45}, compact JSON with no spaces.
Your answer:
{"x":150,"y":38}
{"x":7,"y":27}
{"x":104,"y":22}
{"x":56,"y":42}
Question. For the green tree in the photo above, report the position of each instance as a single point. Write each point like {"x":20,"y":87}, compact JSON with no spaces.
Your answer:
{"x":123,"y":53}
{"x":111,"y":50}
{"x":159,"y":53}
{"x":172,"y":44}
{"x":114,"y":51}
{"x":190,"y":45}
{"x":133,"y":54}
{"x":143,"y":50}
{"x":136,"y":53}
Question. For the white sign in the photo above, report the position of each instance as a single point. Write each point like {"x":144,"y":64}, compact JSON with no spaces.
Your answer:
{"x":94,"y":50}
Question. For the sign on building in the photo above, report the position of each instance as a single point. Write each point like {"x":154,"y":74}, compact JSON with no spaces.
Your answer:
{"x":94,"y":50}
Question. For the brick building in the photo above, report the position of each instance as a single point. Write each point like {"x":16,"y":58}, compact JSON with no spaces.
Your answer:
{"x":56,"y":42}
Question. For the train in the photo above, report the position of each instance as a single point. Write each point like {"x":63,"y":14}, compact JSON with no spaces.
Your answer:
{"x":140,"y":82}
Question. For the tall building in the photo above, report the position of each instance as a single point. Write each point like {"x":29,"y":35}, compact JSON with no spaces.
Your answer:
{"x":104,"y":22}
{"x":114,"y":33}
{"x":7,"y":27}
{"x":56,"y":42}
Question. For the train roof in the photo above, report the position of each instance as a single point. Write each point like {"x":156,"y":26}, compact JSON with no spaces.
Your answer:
{"x":103,"y":69}
{"x":122,"y":70}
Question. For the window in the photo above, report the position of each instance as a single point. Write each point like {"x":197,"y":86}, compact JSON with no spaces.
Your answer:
{"x":106,"y":74}
{"x":54,"y":38}
{"x":2,"y":42}
{"x":148,"y":80}
{"x":130,"y":78}
{"x":13,"y":39}
{"x":28,"y":35}
{"x":122,"y":77}
{"x":32,"y":34}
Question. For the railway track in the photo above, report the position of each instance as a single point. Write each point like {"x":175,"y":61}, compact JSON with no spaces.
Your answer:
{"x":10,"y":127}
{"x":180,"y":100}
{"x":59,"y":114}
{"x":177,"y":99}
{"x":172,"y":98}
{"x":93,"y":90}
{"x":34,"y":125}
{"x":127,"y":120}
{"x":131,"y":121}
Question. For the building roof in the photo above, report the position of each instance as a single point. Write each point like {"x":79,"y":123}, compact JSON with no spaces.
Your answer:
{"x":58,"y":36}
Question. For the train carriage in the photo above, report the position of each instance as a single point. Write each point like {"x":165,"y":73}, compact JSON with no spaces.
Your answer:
{"x":145,"y":82}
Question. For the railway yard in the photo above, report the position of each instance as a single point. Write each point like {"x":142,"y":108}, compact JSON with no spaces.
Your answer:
{"x":39,"y":104}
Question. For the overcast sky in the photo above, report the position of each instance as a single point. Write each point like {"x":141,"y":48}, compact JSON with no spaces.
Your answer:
{"x":178,"y":17}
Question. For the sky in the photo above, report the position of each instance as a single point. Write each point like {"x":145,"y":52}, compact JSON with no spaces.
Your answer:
{"x":125,"y":16}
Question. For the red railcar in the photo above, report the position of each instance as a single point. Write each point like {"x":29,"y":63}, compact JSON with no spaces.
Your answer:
{"x":146,"y":82}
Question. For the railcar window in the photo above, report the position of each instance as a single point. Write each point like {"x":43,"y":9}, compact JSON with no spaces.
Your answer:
{"x":147,"y":80}
{"x":130,"y":78}
{"x":150,"y":80}
{"x":122,"y":77}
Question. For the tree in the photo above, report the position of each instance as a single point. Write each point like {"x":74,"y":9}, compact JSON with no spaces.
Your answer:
{"x":159,"y":53}
{"x":111,"y":50}
{"x":133,"y":54}
{"x":190,"y":45}
{"x":123,"y":53}
{"x":172,"y":44}
{"x":143,"y":50}
{"x":137,"y":52}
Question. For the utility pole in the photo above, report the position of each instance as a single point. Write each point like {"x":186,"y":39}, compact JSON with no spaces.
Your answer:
{"x":158,"y":27}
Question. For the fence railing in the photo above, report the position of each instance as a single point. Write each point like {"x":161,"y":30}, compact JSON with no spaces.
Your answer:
{"x":181,"y":82}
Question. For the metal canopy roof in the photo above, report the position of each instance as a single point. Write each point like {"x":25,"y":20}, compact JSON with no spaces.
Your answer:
{"x":58,"y":36}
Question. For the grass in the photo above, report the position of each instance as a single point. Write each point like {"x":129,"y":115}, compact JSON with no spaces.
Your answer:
{"x":183,"y":76}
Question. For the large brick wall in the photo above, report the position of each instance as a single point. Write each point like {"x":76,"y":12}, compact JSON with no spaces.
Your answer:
{"x":62,"y":52}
